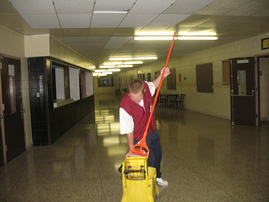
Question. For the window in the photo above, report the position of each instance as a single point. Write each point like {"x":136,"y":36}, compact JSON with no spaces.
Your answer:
{"x":74,"y":83}
{"x":86,"y":83}
{"x":89,"y":84}
{"x":204,"y":78}
{"x":105,"y":81}
{"x":226,"y":73}
{"x":171,"y":80}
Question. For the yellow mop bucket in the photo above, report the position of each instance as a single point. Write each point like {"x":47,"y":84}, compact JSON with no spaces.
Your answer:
{"x":138,"y":181}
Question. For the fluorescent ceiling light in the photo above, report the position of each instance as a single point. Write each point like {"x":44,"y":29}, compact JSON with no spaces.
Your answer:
{"x":111,"y":66}
{"x":133,"y":62}
{"x":136,"y":58}
{"x":198,"y":33}
{"x":120,"y":66}
{"x":153,"y":38}
{"x":113,"y":63}
{"x":146,"y":58}
{"x":110,"y":11}
{"x":178,"y":38}
{"x":107,"y":70}
{"x":197,"y":38}
{"x":99,"y":74}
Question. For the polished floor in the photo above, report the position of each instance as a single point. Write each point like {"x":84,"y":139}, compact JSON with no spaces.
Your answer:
{"x":204,"y":159}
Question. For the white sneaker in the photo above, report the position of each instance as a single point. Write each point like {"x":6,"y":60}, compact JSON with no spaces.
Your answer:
{"x":160,"y":181}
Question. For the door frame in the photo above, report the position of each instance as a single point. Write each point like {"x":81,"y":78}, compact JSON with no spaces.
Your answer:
{"x":257,"y":85}
{"x":1,"y":107}
{"x":1,"y":113}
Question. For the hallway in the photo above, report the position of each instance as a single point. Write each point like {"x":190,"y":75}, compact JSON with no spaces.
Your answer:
{"x":204,"y":159}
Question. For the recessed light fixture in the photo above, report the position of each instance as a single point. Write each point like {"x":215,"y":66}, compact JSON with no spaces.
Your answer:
{"x":99,"y":74}
{"x":205,"y":33}
{"x":120,"y":66}
{"x":177,"y":38}
{"x":146,"y":58}
{"x":107,"y":66}
{"x":136,"y":58}
{"x":113,"y":63}
{"x":197,"y":38}
{"x":153,"y":38}
{"x":106,"y":70}
{"x":133,"y":62}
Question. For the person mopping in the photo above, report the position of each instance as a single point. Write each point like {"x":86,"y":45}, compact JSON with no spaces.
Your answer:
{"x":135,"y":109}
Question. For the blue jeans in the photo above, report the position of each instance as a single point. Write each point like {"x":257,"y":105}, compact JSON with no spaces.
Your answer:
{"x":155,"y":154}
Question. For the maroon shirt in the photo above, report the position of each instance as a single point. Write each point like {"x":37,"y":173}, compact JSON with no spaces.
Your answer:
{"x":140,"y":115}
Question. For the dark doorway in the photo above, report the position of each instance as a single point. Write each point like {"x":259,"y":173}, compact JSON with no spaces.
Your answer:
{"x":243,"y":91}
{"x":1,"y":147}
{"x":12,"y":107}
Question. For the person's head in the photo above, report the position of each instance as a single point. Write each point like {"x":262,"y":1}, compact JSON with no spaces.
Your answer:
{"x":136,"y":90}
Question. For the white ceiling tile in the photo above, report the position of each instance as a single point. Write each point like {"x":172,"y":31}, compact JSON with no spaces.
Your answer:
{"x":116,"y":5}
{"x":151,"y":6}
{"x":117,"y":42}
{"x":167,"y":20}
{"x":220,"y":7}
{"x":98,"y":39}
{"x":95,"y":46}
{"x":72,"y":7}
{"x":106,"y":19}
{"x":33,"y":6}
{"x":187,"y":6}
{"x":251,"y":8}
{"x":42,"y":21}
{"x":76,"y":40}
{"x":137,"y":20}
{"x":74,"y":20}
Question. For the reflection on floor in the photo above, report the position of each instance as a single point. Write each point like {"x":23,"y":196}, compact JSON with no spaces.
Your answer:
{"x":204,"y":159}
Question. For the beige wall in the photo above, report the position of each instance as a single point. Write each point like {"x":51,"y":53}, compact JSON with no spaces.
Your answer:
{"x":21,"y":47}
{"x":217,"y":103}
{"x":12,"y":44}
{"x":37,"y":45}
{"x":65,"y":53}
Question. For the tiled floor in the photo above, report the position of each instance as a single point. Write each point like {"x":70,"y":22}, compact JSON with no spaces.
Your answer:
{"x":204,"y":159}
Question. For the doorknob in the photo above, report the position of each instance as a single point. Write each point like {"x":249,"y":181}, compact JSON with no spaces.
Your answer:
{"x":1,"y":117}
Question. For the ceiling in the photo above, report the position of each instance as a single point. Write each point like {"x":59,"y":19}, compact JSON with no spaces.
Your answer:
{"x":99,"y":36}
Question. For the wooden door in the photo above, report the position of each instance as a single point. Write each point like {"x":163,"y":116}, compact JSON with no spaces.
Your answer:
{"x":12,"y":107}
{"x":243,"y":111}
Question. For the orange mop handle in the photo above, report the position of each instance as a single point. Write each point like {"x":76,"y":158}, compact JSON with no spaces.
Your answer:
{"x":158,"y":90}
{"x":141,"y":147}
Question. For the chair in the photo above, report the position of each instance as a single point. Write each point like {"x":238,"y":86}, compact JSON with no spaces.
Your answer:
{"x":179,"y":103}
{"x":163,"y":100}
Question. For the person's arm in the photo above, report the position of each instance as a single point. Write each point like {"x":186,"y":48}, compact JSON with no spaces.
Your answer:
{"x":130,"y":141}
{"x":156,"y":81}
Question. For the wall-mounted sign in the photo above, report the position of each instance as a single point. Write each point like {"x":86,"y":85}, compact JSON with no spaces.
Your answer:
{"x":265,"y":43}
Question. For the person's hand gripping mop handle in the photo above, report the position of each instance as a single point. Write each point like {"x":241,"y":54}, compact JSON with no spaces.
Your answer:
{"x":141,"y":147}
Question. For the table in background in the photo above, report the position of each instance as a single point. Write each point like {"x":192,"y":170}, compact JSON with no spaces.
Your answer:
{"x":167,"y":98}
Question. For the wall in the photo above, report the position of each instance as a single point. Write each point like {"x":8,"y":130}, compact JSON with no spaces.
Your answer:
{"x":37,"y":45}
{"x":12,"y":44}
{"x":61,"y":51}
{"x":21,"y":47}
{"x":217,"y":103}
